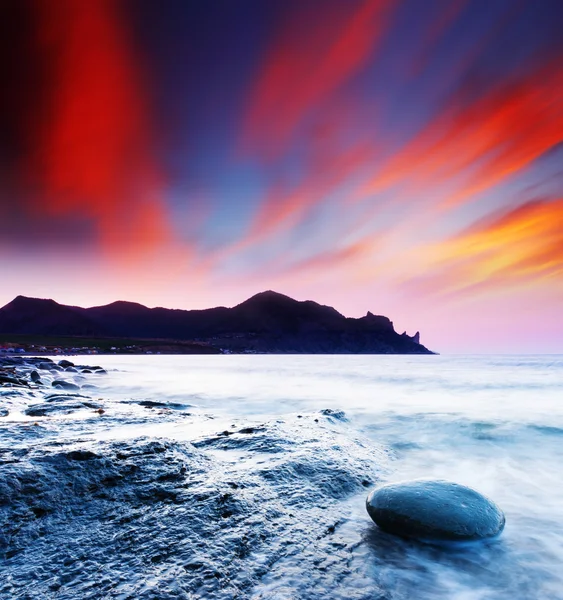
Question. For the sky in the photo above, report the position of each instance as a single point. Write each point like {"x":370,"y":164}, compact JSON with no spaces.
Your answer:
{"x":403,"y":157}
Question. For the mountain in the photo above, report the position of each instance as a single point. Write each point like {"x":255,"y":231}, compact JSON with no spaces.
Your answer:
{"x":268,"y":322}
{"x":46,"y":317}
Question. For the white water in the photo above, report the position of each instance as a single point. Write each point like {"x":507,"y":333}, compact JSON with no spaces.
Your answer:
{"x":493,"y":423}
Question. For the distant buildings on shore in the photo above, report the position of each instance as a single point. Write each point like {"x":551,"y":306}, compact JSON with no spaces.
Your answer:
{"x":50,"y":350}
{"x":13,"y":348}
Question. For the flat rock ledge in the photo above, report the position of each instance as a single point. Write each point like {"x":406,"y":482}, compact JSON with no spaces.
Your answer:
{"x":434,"y":510}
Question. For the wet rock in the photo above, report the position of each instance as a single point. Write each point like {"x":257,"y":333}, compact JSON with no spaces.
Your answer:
{"x":64,"y":397}
{"x":249,"y":430}
{"x":10,"y":361}
{"x":65,"y":364}
{"x":4,"y":412}
{"x":45,"y":410}
{"x":101,"y":372}
{"x":65,"y":385}
{"x":150,"y":507}
{"x":71,"y":370}
{"x":157,"y":404}
{"x":8,"y":379}
{"x":152,"y":404}
{"x":34,"y":376}
{"x":81,"y":455}
{"x":91,"y":405}
{"x":259,"y":442}
{"x":47,"y":366}
{"x":429,"y":509}
{"x":39,"y":410}
{"x":338,"y":415}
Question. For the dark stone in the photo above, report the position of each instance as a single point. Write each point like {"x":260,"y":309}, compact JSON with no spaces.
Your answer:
{"x":339,"y":415}
{"x":4,"y":412}
{"x":152,"y":404}
{"x":57,"y":397}
{"x":250,"y":429}
{"x":86,"y":371}
{"x":46,"y":366}
{"x":101,"y":372}
{"x":65,"y":364}
{"x":81,"y":455}
{"x":71,"y":370}
{"x":434,"y":510}
{"x":36,"y":360}
{"x":157,"y":404}
{"x":46,"y":410}
{"x":65,"y":385}
{"x":34,"y":376}
{"x":11,"y":380}
{"x":92,"y":405}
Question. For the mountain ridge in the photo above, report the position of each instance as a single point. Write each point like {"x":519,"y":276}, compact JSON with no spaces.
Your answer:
{"x":267,"y":322}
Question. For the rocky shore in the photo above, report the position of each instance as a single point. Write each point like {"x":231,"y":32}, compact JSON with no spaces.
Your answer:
{"x":136,"y":498}
{"x":106,"y":495}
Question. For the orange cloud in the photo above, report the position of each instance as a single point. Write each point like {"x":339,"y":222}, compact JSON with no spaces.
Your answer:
{"x":312,"y":57}
{"x":93,"y":142}
{"x":521,"y":246}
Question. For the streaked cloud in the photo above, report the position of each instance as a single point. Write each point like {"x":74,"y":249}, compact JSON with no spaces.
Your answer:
{"x":312,"y":57}
{"x":474,"y":146}
{"x":93,"y":138}
{"x":518,"y":248}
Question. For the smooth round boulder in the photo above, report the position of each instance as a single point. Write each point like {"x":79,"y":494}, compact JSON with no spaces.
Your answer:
{"x":431,"y":509}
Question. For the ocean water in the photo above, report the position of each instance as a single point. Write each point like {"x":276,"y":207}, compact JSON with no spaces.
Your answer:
{"x":246,"y":477}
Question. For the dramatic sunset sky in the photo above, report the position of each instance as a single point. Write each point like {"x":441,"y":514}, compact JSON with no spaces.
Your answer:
{"x":398,"y":156}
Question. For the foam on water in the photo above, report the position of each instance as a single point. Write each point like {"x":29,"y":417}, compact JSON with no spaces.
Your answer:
{"x":493,"y":423}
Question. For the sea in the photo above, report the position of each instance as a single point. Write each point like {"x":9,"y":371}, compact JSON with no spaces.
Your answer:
{"x":246,"y":476}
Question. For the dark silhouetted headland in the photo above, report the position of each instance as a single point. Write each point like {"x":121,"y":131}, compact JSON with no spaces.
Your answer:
{"x":265,"y":323}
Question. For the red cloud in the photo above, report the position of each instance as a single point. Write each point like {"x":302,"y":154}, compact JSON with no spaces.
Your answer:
{"x":311,"y":58}
{"x":94,"y":138}
{"x":475,"y":146}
